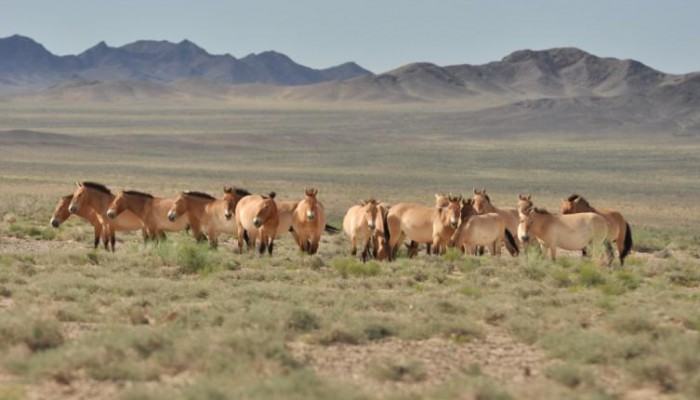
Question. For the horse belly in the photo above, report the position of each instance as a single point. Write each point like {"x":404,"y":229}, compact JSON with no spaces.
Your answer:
{"x":128,"y":221}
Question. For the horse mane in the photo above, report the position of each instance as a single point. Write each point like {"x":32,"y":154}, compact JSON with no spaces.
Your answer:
{"x":97,"y":186}
{"x":199,"y":194}
{"x":540,"y":210}
{"x":574,"y":197}
{"x":242,"y":192}
{"x":68,"y":197}
{"x":137,"y":193}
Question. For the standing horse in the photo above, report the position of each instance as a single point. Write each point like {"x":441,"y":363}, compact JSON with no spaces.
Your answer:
{"x":569,"y":232}
{"x":359,"y":224}
{"x":483,"y":205}
{"x":152,"y":211}
{"x":423,"y":224}
{"x":98,"y":197}
{"x":524,"y":203}
{"x":380,"y":235}
{"x":478,"y":230}
{"x":126,"y":223}
{"x":619,"y":230}
{"x":257,"y":215}
{"x":208,"y":214}
{"x":309,"y":221}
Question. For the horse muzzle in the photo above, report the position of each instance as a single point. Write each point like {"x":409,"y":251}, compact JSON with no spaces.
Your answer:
{"x":228,"y":215}
{"x":55,"y":222}
{"x":310,"y":216}
{"x":454,"y":223}
{"x":73,"y":208}
{"x":257,"y":222}
{"x":111,"y":213}
{"x":172,"y":216}
{"x":525,"y":238}
{"x":372,"y":225}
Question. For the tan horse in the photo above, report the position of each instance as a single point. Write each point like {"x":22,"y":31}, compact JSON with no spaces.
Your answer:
{"x":207,"y":213}
{"x":309,"y":221}
{"x":152,"y":211}
{"x":257,"y":215}
{"x":423,"y":224}
{"x":126,"y":223}
{"x":524,"y":203}
{"x":98,"y":197}
{"x":380,"y":242}
{"x":569,"y":232}
{"x":619,"y":229}
{"x":483,"y":205}
{"x":488,"y":230}
{"x":359,"y":224}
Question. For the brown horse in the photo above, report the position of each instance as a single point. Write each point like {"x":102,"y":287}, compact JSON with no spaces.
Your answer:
{"x":423,"y":224}
{"x":257,"y":215}
{"x":477,"y":230}
{"x":483,"y":205}
{"x":619,"y":229}
{"x":208,"y":214}
{"x":126,"y":223}
{"x":309,"y":221}
{"x":98,"y":197}
{"x":152,"y":211}
{"x":569,"y":232}
{"x":524,"y":203}
{"x":359,"y":224}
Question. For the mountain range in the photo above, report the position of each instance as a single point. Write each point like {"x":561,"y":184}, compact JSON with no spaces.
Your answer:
{"x":551,"y":89}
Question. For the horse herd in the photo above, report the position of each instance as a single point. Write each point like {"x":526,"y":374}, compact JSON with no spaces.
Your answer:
{"x":379,"y":229}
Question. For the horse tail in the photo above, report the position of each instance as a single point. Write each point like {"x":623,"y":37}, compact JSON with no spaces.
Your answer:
{"x":628,"y":243}
{"x":387,"y":234}
{"x":510,"y":243}
{"x":331,"y":229}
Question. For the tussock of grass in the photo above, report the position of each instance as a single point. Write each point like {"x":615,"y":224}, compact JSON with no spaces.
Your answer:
{"x":397,"y":370}
{"x":350,"y":266}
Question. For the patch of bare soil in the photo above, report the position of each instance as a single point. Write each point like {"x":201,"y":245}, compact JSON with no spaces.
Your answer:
{"x":10,"y":245}
{"x":498,"y":355}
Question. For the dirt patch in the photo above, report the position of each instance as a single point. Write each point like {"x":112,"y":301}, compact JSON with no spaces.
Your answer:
{"x":498,"y":355}
{"x":9,"y":245}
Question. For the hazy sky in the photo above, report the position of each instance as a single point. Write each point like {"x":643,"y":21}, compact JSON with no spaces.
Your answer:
{"x":378,"y":34}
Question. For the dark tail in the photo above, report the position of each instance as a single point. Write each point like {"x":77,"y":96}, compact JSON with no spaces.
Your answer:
{"x":331,"y":229}
{"x":387,"y":236}
{"x":510,"y":244}
{"x":628,"y":244}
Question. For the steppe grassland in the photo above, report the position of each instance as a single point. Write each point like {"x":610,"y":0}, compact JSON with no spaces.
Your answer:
{"x":179,"y":320}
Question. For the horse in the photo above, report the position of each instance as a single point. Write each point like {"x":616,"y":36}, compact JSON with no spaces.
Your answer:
{"x":619,"y":230}
{"x":524,"y":203}
{"x":309,"y":221}
{"x":569,"y":232}
{"x":483,"y":205}
{"x":152,"y":211}
{"x":477,"y":230}
{"x":359,"y":224}
{"x":98,"y":197}
{"x":258,"y":215}
{"x":208,"y":214}
{"x":441,"y":200}
{"x":126,"y":223}
{"x":423,"y":224}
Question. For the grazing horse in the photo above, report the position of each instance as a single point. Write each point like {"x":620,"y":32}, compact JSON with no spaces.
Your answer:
{"x":208,"y":214}
{"x":483,"y":205}
{"x":98,"y":197}
{"x":152,"y":211}
{"x":488,"y":230}
{"x":309,"y":221}
{"x":423,"y":224}
{"x":569,"y":232}
{"x":126,"y":223}
{"x":258,"y":215}
{"x":380,"y":235}
{"x":359,"y":223}
{"x":619,"y":230}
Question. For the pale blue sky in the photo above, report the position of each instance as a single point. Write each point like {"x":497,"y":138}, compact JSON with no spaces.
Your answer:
{"x":379,"y":35}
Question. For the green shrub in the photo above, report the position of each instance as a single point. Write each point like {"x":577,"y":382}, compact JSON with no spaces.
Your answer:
{"x":350,"y":266}
{"x":302,"y":321}
{"x":590,"y":275}
{"x":194,"y":258}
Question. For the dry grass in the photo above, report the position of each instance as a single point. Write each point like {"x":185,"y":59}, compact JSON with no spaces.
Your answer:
{"x":181,"y":321}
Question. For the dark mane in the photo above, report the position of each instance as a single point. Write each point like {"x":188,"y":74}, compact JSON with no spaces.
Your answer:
{"x":97,"y":186}
{"x":199,"y":194}
{"x":487,"y":197}
{"x":540,"y":210}
{"x":137,"y":193}
{"x":242,"y":192}
{"x":573,"y":197}
{"x":68,"y":197}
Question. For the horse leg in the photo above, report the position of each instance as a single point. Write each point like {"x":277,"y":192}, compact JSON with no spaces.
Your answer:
{"x":270,"y":246}
{"x":263,"y":242}
{"x":239,"y":236}
{"x":213,"y":239}
{"x":428,"y":249}
{"x":365,"y":251}
{"x":113,"y":238}
{"x":353,"y":246}
{"x":553,"y":252}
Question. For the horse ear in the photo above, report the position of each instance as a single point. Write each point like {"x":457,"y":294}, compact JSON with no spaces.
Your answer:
{"x":272,"y":195}
{"x":483,"y":190}
{"x":363,"y":202}
{"x":529,"y":197}
{"x":78,"y":184}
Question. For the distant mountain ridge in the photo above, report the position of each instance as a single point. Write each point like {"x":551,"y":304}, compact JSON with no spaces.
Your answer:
{"x":27,"y":64}
{"x":555,"y":90}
